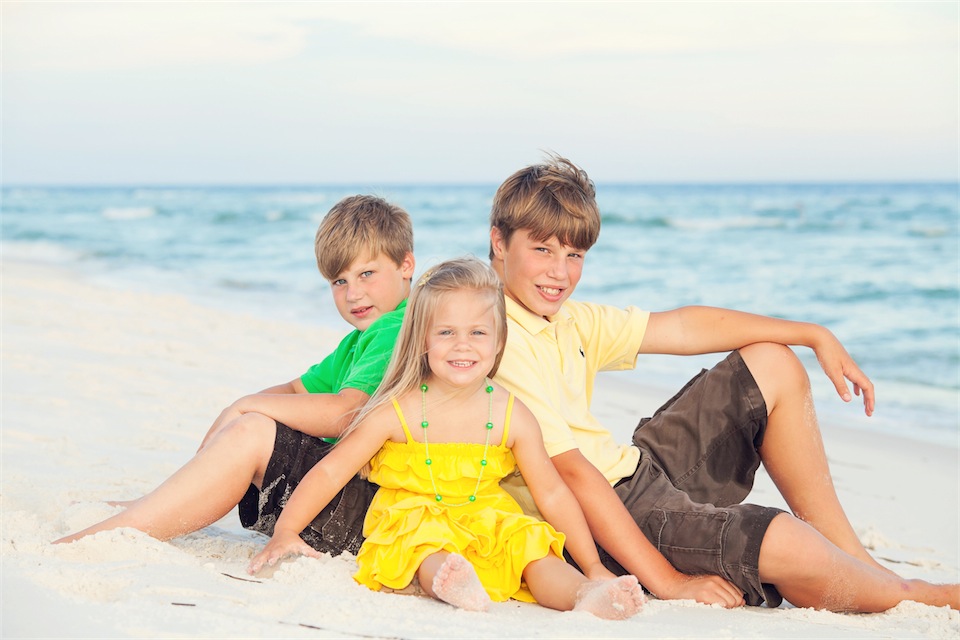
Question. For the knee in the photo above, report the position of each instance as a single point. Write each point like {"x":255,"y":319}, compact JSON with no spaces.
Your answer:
{"x":776,"y":369}
{"x":250,"y":429}
{"x":792,"y":550}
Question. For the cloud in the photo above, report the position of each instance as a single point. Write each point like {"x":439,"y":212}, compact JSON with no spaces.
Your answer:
{"x":108,"y":36}
{"x":130,"y":35}
{"x":542,"y":30}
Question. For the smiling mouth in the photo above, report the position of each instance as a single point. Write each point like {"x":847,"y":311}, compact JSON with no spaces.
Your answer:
{"x":550,"y":291}
{"x":463,"y":364}
{"x":361,"y":311}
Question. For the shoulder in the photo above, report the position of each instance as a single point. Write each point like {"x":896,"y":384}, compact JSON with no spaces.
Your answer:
{"x":523,"y":424}
{"x":383,"y":419}
{"x":595,"y":312}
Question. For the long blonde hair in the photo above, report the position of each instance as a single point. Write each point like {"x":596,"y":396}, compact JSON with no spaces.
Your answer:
{"x":409,"y":366}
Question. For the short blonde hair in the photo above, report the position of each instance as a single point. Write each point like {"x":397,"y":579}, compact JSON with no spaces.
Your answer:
{"x":553,"y":199}
{"x":409,"y":366}
{"x":359,"y":225}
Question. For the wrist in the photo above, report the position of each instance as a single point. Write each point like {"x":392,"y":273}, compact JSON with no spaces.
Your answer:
{"x":666,"y":585}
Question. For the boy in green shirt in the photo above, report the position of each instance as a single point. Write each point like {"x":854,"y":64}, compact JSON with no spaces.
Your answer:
{"x":262,"y":445}
{"x":667,"y":507}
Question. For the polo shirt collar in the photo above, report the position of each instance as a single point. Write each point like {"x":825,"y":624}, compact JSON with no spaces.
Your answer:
{"x":531,"y":322}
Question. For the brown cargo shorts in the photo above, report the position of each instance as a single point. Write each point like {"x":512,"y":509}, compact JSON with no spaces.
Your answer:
{"x":339,"y":527}
{"x":699,"y":454}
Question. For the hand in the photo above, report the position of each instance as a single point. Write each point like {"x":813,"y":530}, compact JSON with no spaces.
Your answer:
{"x":840,"y":367}
{"x":283,"y":544}
{"x":226,"y":416}
{"x":706,"y":590}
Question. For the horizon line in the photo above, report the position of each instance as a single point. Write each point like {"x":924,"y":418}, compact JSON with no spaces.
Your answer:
{"x":494,"y":184}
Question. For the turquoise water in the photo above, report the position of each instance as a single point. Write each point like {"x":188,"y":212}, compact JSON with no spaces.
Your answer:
{"x":876,"y":263}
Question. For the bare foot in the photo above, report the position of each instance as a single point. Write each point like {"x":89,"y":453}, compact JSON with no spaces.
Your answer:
{"x":615,"y":599}
{"x":457,"y":583}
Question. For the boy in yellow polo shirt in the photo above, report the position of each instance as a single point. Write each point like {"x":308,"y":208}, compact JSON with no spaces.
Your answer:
{"x":667,"y":507}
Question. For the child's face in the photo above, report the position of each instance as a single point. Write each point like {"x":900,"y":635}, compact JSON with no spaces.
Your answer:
{"x":539,"y":276}
{"x":462,"y":341}
{"x":371,"y":287}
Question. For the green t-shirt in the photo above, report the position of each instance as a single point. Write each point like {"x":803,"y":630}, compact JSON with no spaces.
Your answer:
{"x":360,"y":360}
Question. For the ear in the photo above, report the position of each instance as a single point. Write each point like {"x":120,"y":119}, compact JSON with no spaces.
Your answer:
{"x":497,"y":243}
{"x":407,"y":266}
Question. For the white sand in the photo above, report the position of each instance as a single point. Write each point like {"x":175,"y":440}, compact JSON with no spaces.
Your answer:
{"x":105,"y":393}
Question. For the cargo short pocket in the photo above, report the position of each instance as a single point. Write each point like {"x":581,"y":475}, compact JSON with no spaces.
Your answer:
{"x":691,"y":541}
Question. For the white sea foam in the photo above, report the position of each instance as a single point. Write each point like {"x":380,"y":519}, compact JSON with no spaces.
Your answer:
{"x":40,"y":251}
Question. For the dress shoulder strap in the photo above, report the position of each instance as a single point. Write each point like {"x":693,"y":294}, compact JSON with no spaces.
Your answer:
{"x":506,"y":421}
{"x":403,"y":420}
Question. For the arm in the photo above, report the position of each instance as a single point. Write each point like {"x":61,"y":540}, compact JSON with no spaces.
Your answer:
{"x":323,"y":415}
{"x":294,"y":386}
{"x":618,"y":533}
{"x":553,"y":498}
{"x":318,"y":488}
{"x":695,"y":330}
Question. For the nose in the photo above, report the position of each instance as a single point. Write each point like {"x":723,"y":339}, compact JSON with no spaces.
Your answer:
{"x":558,"y":267}
{"x":354,"y":292}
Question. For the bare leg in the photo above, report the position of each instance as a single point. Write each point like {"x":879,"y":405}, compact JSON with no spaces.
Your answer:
{"x":810,"y":571}
{"x":450,"y":578}
{"x":792,"y":450}
{"x":203,"y":490}
{"x":557,"y":585}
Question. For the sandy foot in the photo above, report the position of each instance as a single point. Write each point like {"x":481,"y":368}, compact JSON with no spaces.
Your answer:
{"x":615,"y":599}
{"x":457,"y":583}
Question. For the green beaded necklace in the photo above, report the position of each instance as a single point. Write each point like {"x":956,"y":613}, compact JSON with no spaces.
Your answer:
{"x":486,"y":444}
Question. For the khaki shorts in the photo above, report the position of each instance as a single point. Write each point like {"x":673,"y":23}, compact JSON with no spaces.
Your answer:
{"x":699,"y":454}
{"x":339,"y":527}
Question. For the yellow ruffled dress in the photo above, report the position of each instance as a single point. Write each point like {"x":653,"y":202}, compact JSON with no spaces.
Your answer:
{"x":405,"y":523}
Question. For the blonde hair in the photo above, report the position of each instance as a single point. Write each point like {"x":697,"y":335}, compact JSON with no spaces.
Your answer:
{"x":409,"y":365}
{"x":553,"y":199}
{"x":362,"y":224}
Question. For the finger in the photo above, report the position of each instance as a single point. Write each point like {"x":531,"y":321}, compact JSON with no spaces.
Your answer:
{"x":864,"y":387}
{"x":840,"y":384}
{"x":734,"y":594}
{"x":869,"y":399}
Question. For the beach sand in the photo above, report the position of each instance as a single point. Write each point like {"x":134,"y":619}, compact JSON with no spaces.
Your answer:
{"x":106,"y":392}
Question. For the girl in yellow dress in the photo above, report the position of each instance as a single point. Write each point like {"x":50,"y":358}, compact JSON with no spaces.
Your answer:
{"x":438,"y":437}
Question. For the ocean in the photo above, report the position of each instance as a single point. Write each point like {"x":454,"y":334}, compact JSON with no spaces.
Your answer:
{"x":876,"y":263}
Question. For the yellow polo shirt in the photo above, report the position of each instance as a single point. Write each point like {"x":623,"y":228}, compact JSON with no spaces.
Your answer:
{"x":551,"y":364}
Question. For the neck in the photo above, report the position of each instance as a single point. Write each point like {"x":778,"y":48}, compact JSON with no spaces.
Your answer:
{"x":447,"y":391}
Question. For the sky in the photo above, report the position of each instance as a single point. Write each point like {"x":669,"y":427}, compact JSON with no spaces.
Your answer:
{"x":464,"y":92}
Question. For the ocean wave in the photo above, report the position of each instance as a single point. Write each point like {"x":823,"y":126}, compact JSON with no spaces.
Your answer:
{"x":616,"y":218}
{"x":725,"y":224}
{"x":167,"y":194}
{"x":41,"y":250}
{"x":929,"y":232}
{"x":128,"y":213}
